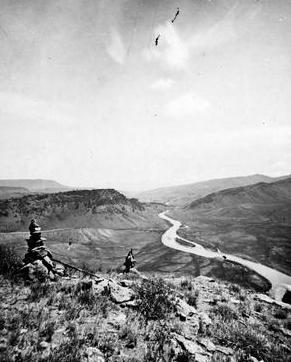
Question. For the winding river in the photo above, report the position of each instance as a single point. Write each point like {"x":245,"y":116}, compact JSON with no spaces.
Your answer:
{"x":274,"y":277}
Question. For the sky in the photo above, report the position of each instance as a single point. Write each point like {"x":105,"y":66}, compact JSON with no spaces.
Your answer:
{"x":88,"y":99}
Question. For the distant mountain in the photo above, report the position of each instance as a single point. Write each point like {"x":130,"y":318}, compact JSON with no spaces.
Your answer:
{"x":77,"y":209}
{"x":184,"y":194}
{"x":35,"y":185}
{"x":252,"y":221}
{"x":257,"y":198}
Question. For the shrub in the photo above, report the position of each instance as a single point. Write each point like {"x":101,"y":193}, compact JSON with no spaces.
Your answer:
{"x":41,"y":290}
{"x":10,"y":262}
{"x":155,"y":299}
{"x":281,"y":314}
{"x":47,"y":331}
{"x":186,"y":284}
{"x":225,"y":312}
{"x":67,"y":352}
{"x":107,"y":344}
{"x":235,"y":288}
{"x":287,"y":324}
{"x":192,"y":297}
{"x":258,"y":307}
{"x":251,"y":340}
{"x":129,"y":335}
{"x":158,"y":343}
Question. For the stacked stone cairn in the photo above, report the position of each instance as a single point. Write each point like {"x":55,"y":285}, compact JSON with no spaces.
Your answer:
{"x":38,"y":260}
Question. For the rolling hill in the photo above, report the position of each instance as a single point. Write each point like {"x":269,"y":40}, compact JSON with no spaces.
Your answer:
{"x":35,"y":185}
{"x":183,"y":194}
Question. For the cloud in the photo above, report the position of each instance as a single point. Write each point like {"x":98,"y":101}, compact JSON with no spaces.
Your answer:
{"x":171,"y":50}
{"x":162,"y":84}
{"x":31,"y":109}
{"x":187,"y":105}
{"x":175,"y":48}
{"x":116,"y":47}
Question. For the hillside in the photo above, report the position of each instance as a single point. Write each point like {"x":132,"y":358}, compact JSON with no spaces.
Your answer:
{"x":35,"y":185}
{"x":139,"y":317}
{"x":9,"y":191}
{"x":183,"y":194}
{"x":76,"y":209}
{"x":252,"y":221}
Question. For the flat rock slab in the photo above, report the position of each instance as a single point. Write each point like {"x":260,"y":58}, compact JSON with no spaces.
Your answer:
{"x":225,"y":350}
{"x":206,"y":343}
{"x":190,"y":346}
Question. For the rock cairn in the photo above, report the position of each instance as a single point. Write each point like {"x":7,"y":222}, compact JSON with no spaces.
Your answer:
{"x":38,"y":260}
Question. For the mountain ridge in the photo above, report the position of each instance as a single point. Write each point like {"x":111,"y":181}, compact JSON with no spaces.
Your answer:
{"x":179,"y":195}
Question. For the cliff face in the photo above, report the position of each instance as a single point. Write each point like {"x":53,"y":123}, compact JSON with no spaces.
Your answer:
{"x":83,"y":208}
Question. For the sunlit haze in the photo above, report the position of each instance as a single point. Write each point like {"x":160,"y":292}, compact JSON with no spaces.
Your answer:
{"x":88,"y":99}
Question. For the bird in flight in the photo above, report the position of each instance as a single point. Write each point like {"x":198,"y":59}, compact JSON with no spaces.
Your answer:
{"x":157,"y":40}
{"x":177,"y":13}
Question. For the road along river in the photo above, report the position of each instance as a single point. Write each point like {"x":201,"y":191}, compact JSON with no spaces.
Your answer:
{"x":280,"y":282}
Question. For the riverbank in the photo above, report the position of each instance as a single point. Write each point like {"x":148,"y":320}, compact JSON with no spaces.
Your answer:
{"x":279,"y":282}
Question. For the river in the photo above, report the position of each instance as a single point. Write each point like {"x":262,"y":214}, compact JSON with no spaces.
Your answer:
{"x":170,"y":237}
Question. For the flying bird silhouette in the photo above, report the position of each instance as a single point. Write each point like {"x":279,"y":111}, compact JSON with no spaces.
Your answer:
{"x":177,"y":13}
{"x":157,"y":40}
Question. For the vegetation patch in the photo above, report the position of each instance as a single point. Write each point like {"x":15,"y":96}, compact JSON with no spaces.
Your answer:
{"x":155,"y":299}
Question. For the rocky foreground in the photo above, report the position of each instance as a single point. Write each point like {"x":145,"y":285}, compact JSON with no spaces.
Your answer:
{"x":140,"y":318}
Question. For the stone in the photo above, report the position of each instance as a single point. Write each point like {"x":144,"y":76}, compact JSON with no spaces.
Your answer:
{"x":116,"y":319}
{"x":191,"y":327}
{"x":101,"y":287}
{"x":207,"y":344}
{"x":60,"y":336}
{"x":225,"y":350}
{"x":203,"y":279}
{"x":127,"y":283}
{"x":267,"y":299}
{"x":23,"y":331}
{"x":183,"y":309}
{"x":37,"y":271}
{"x":120,"y":294}
{"x":175,"y":347}
{"x":92,"y":354}
{"x":131,"y":303}
{"x":254,"y":359}
{"x":205,"y":322}
{"x":44,"y":345}
{"x":190,"y":346}
{"x":285,"y":331}
{"x":3,"y":343}
{"x":234,"y":301}
{"x":201,"y":358}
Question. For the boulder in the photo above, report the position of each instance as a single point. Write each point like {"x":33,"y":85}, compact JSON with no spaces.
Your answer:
{"x":205,"y":322}
{"x":204,"y":279}
{"x":3,"y":344}
{"x":37,"y":271}
{"x":120,"y":294}
{"x":92,"y":354}
{"x":183,"y":309}
{"x":189,"y":346}
{"x":116,"y":318}
{"x":101,"y":287}
{"x":206,"y":343}
{"x":201,"y":358}
{"x":191,"y":327}
{"x":225,"y":350}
